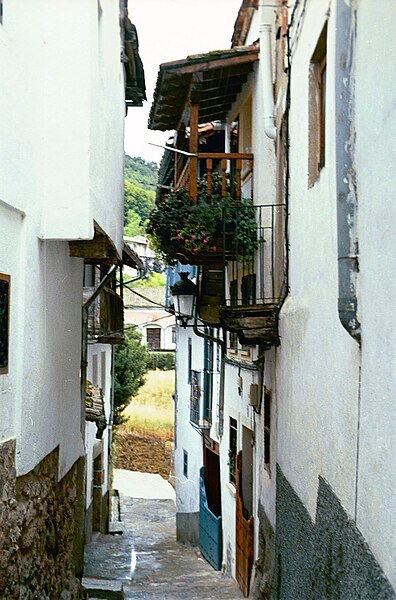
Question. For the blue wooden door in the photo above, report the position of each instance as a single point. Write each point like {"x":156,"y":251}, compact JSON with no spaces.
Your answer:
{"x":210,"y":531}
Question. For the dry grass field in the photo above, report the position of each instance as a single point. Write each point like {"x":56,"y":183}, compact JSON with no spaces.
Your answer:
{"x":145,"y":441}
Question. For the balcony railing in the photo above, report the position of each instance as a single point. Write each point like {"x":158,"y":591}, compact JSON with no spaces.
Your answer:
{"x":258,"y":273}
{"x":105,"y":316}
{"x":234,"y":169}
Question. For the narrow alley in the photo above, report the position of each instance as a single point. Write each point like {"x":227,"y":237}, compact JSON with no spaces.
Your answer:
{"x":141,"y":558}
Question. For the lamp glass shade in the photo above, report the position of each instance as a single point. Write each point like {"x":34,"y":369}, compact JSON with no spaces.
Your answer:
{"x":184,"y":305}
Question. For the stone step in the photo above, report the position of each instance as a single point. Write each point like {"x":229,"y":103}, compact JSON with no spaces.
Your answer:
{"x":110,"y":589}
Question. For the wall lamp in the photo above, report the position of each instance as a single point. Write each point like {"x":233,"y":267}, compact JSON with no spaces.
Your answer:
{"x":184,"y":293}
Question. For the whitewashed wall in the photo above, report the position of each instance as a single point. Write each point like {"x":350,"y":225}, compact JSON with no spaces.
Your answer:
{"x":187,"y":438}
{"x":317,"y":379}
{"x":375,"y":159}
{"x":236,"y":405}
{"x":103,"y":353}
{"x":63,"y":141}
{"x":61,"y":162}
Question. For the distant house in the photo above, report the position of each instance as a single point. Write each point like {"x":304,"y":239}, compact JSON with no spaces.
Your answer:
{"x":145,"y":308}
{"x":141,"y":245}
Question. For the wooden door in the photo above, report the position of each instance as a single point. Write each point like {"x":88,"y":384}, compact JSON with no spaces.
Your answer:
{"x":210,"y":529}
{"x":244,"y":535}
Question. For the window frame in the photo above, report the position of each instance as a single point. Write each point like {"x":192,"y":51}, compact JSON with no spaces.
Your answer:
{"x":232,"y":449}
{"x":267,"y":429}
{"x":185,"y":463}
{"x":149,"y":343}
{"x":317,"y":109}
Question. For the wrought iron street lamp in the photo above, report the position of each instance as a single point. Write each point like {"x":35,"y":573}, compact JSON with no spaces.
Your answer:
{"x":184,"y":292}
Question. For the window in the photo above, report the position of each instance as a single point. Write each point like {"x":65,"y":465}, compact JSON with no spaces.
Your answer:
{"x":267,"y":428}
{"x":89,"y":275}
{"x":317,"y":109}
{"x":185,"y":464}
{"x":153,"y":336}
{"x":248,"y":289}
{"x":173,"y":334}
{"x":208,"y":378}
{"x":103,"y":371}
{"x":1,"y":11}
{"x":234,"y":301}
{"x":232,"y":450}
{"x":4,"y":321}
{"x":94,"y":369}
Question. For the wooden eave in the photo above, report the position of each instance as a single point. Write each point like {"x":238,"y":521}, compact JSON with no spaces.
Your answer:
{"x":99,"y":250}
{"x":135,"y":85}
{"x":215,"y":78}
{"x":243,"y":21}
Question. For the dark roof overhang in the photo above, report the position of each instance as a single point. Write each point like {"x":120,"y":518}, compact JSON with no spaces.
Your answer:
{"x":135,"y":86}
{"x":243,"y":22}
{"x":211,"y":80}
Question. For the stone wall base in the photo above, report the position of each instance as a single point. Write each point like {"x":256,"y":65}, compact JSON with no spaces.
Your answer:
{"x":187,"y":528}
{"x":41,"y":520}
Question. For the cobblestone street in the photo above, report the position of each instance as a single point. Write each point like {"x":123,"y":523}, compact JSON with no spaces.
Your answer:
{"x":145,"y":559}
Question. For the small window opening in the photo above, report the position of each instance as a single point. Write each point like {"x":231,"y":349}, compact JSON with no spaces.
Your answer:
{"x":185,"y":464}
{"x":317,"y":109}
{"x":267,"y":428}
{"x":232,"y":450}
{"x":4,"y":321}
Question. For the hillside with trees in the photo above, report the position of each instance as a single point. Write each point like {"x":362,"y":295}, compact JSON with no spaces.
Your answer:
{"x":140,"y":186}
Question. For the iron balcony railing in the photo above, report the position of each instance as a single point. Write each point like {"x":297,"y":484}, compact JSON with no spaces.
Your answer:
{"x":257,"y":275}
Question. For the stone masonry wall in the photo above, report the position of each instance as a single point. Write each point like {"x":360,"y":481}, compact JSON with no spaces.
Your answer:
{"x":40,"y":552}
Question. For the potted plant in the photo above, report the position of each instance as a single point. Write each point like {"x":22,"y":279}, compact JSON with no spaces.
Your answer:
{"x":180,"y":229}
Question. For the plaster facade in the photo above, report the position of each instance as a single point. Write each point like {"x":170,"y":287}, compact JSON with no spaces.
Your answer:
{"x":187,"y":438}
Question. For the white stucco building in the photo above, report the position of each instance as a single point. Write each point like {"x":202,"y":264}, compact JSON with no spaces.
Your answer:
{"x":61,"y":205}
{"x":291,"y":411}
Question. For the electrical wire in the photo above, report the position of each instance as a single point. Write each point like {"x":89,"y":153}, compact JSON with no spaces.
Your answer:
{"x":148,"y":299}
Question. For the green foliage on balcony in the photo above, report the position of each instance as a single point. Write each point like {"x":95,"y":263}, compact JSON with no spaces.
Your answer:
{"x":179,"y":227}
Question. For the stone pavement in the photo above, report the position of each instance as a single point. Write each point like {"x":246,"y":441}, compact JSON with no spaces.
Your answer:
{"x":145,"y":558}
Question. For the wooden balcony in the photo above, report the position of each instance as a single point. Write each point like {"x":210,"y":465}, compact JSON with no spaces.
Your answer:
{"x":255,"y":324}
{"x":234,"y":169}
{"x":106,"y":317}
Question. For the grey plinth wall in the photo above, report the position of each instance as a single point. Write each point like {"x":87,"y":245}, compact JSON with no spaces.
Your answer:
{"x":328,"y":559}
{"x":187,"y":528}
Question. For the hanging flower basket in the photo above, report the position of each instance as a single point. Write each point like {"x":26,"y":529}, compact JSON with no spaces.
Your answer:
{"x":210,"y":231}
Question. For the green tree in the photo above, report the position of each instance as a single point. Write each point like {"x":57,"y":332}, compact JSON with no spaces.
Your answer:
{"x":133,"y":225}
{"x":140,"y":186}
{"x":131,"y":365}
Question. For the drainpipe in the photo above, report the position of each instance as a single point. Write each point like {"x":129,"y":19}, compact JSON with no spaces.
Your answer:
{"x":348,"y":258}
{"x":84,"y":343}
{"x":265,"y":31}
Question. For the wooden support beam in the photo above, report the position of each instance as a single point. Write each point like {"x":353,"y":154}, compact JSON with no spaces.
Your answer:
{"x":194,"y":108}
{"x":223,"y":178}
